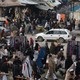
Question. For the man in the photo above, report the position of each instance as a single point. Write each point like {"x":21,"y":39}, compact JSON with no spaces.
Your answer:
{"x":52,"y":68}
{"x":77,"y":69}
{"x":70,"y":74}
{"x":17,"y":67}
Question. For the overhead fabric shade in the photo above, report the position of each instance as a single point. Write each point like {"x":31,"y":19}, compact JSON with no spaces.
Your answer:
{"x":56,"y":3}
{"x":27,"y":2}
{"x":47,"y":4}
{"x":44,"y":6}
{"x":7,"y":3}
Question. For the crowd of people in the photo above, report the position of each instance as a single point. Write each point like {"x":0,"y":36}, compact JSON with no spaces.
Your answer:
{"x":28,"y":59}
{"x":31,"y":19}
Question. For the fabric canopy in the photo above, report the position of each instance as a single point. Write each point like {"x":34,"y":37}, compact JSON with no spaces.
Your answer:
{"x":56,"y":3}
{"x":8,"y":3}
{"x":27,"y":2}
{"x":44,"y":6}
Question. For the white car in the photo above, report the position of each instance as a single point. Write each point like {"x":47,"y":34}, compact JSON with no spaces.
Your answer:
{"x":54,"y":34}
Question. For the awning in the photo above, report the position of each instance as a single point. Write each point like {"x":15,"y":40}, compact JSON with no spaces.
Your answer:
{"x":27,"y":2}
{"x":8,"y":3}
{"x":75,"y":8}
{"x":56,"y":3}
{"x":43,"y":6}
{"x":53,"y":4}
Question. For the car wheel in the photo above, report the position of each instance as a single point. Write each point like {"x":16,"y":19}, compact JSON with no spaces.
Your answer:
{"x":61,"y":40}
{"x":40,"y":39}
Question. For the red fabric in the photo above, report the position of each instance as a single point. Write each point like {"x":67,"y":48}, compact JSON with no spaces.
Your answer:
{"x":24,"y":66}
{"x":6,"y":22}
{"x":31,"y":41}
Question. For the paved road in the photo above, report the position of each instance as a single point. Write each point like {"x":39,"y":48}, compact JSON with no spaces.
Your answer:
{"x":65,"y":46}
{"x":49,"y":43}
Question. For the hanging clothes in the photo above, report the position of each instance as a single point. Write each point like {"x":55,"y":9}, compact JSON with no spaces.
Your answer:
{"x":27,"y":68}
{"x":41,"y":57}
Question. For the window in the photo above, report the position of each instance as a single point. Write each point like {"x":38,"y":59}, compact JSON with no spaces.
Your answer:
{"x":63,"y":32}
{"x":56,"y":32}
{"x":50,"y":32}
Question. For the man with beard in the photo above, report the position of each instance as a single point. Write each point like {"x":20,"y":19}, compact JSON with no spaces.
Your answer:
{"x":77,"y":70}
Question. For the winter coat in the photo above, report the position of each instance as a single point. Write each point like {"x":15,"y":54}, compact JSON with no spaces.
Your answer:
{"x":27,"y":68}
{"x":68,"y":63}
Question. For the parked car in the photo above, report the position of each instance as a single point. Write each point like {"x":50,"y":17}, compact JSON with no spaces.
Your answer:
{"x":54,"y":34}
{"x":7,"y":31}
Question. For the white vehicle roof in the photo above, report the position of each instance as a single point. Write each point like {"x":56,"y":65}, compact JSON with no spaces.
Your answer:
{"x":59,"y":29}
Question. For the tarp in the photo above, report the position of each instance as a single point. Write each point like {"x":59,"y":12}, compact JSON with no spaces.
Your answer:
{"x":56,"y":3}
{"x":47,"y":4}
{"x":27,"y":2}
{"x":75,"y":8}
{"x":44,"y":6}
{"x":8,"y":3}
{"x":53,"y":4}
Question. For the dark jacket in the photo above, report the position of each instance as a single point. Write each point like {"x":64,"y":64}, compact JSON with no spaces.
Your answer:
{"x":5,"y":67}
{"x":68,"y":63}
{"x":52,"y":49}
{"x":17,"y":67}
{"x":77,"y":71}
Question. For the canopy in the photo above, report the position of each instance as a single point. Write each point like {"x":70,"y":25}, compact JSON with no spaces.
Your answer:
{"x":53,"y":4}
{"x":44,"y":6}
{"x":56,"y":3}
{"x":8,"y":3}
{"x":47,"y":4}
{"x":75,"y":8}
{"x":27,"y":2}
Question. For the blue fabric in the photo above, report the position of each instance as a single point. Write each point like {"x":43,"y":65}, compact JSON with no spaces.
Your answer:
{"x":75,"y":8}
{"x":40,"y":56}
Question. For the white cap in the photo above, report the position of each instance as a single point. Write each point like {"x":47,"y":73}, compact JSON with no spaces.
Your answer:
{"x":71,"y":70}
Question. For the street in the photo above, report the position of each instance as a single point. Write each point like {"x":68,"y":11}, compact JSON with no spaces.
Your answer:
{"x":49,"y":43}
